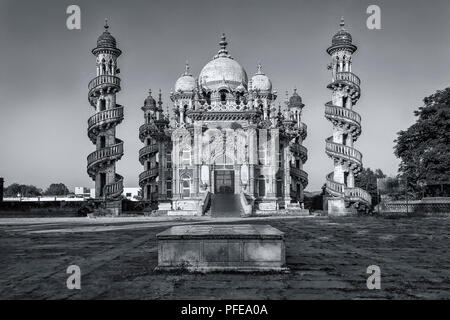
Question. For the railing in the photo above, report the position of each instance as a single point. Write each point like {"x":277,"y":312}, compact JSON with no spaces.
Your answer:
{"x":335,"y":188}
{"x":113,"y":151}
{"x":358,"y":193}
{"x":148,"y":149}
{"x":110,"y":114}
{"x":115,"y":188}
{"x":296,"y":147}
{"x":348,"y":76}
{"x":332,"y":110}
{"x":206,"y":201}
{"x":102,"y":80}
{"x":343,"y":151}
{"x":299,"y":173}
{"x":148,"y":174}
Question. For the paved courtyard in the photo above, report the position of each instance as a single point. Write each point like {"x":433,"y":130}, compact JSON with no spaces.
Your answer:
{"x":327,"y":257}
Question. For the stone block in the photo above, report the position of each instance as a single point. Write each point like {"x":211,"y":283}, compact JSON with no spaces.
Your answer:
{"x":244,"y":248}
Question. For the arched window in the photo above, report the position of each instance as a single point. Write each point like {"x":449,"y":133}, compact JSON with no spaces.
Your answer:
{"x":103,"y":66}
{"x":186,"y":186}
{"x":110,"y":67}
{"x":223,"y":95}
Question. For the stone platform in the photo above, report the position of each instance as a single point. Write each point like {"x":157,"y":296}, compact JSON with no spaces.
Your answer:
{"x":241,"y":248}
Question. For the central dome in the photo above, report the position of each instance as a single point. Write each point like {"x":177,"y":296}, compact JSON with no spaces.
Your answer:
{"x":222,"y":72}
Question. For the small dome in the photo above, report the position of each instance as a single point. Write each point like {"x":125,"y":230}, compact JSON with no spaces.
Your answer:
{"x":260,"y":81}
{"x":222,"y":71}
{"x":295,"y":101}
{"x":149,"y":102}
{"x":186,"y":83}
{"x":342,"y":36}
{"x":106,"y":40}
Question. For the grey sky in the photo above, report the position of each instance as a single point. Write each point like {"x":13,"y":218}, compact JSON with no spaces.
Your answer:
{"x":45,"y":69}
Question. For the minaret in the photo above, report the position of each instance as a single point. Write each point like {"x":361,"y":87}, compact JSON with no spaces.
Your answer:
{"x":298,"y":152}
{"x":345,"y":86}
{"x":147,"y":155}
{"x":101,"y":164}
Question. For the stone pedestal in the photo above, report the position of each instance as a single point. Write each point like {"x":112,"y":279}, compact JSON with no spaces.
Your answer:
{"x":243,"y":248}
{"x":336,"y":207}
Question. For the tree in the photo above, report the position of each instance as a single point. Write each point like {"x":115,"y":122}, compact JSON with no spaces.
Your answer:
{"x":424,"y":148}
{"x":22,"y":190}
{"x":57,"y":189}
{"x":367,"y":180}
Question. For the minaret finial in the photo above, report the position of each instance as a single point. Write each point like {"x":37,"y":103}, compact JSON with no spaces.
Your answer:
{"x":106,"y":24}
{"x":259,"y":68}
{"x":186,"y":70}
{"x":149,"y":92}
{"x":342,"y":24}
{"x":223,"y":52}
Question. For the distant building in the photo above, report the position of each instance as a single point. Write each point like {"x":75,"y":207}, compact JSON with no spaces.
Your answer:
{"x":131,"y":193}
{"x":82,"y":192}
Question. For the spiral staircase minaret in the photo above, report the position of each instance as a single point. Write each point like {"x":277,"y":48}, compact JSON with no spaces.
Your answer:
{"x":345,"y":85}
{"x":101,"y":164}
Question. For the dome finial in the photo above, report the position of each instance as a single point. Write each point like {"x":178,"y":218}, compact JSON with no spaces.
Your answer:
{"x":223,"y":52}
{"x":150,"y":92}
{"x":259,"y":68}
{"x":342,"y":24}
{"x":106,"y":24}
{"x":186,"y":71}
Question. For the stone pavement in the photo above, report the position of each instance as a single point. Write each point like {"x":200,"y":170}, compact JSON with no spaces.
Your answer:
{"x":327,"y":257}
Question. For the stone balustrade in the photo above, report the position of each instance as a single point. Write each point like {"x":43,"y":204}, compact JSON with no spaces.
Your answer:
{"x":152,"y":148}
{"x":348,"y":76}
{"x":102,"y":81}
{"x":340,"y":112}
{"x":300,"y":149}
{"x":333,"y":186}
{"x":299,"y":173}
{"x":148,"y":174}
{"x":342,"y":151}
{"x":354,"y":193}
{"x":113,"y":114}
{"x":114,"y":189}
{"x":113,"y":151}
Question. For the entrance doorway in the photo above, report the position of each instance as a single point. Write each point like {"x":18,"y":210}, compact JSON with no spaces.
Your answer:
{"x":224,"y":181}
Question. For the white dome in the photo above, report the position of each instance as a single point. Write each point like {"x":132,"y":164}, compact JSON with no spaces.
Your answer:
{"x":222,"y":72}
{"x":185,"y":83}
{"x":261,"y":82}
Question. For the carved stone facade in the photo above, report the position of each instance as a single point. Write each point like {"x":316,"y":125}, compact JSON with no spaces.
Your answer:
{"x":227,"y":136}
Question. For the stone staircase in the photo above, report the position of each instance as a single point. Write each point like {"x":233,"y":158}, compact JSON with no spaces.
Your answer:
{"x":225,"y":205}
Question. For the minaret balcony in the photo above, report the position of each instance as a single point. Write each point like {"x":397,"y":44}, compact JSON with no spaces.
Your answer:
{"x":348,"y":76}
{"x":358,"y":195}
{"x":103,"y":120}
{"x":115,"y":189}
{"x":300,"y":174}
{"x":300,"y":150}
{"x":104,"y":155}
{"x":343,"y":152}
{"x":147,"y":151}
{"x":333,"y":187}
{"x":102,"y":82}
{"x":147,"y":175}
{"x":342,"y":114}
